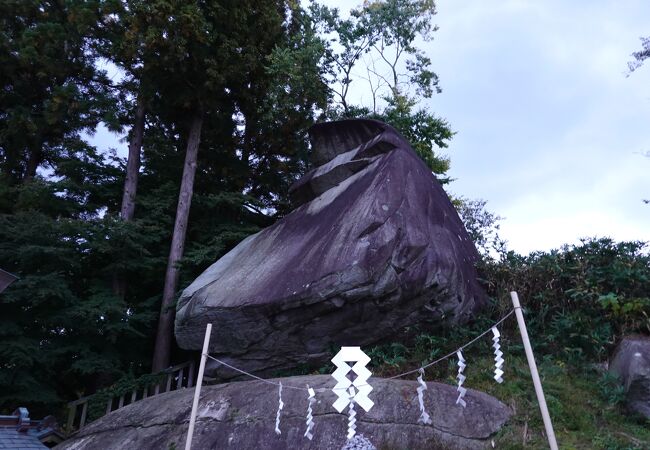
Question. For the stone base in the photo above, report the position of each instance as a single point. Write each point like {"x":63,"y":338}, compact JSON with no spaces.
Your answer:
{"x":241,"y":416}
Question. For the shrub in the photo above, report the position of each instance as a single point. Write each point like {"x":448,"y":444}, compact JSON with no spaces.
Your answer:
{"x":578,"y":299}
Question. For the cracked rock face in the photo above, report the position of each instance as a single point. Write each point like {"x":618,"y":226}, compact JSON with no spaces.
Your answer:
{"x":373,"y":245}
{"x":241,"y":415}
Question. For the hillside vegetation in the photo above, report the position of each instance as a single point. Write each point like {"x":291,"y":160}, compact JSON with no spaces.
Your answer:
{"x":578,"y":302}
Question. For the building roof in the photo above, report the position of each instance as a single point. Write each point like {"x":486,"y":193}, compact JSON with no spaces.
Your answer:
{"x":19,"y":432}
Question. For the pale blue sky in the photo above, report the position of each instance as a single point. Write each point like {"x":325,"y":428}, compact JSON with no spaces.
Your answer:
{"x":550,"y":131}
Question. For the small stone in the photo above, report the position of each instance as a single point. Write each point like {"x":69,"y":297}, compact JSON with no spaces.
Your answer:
{"x":359,"y":442}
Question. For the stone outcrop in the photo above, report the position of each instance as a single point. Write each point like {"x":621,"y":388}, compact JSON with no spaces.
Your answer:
{"x":241,"y":415}
{"x":373,"y":245}
{"x":631,"y":364}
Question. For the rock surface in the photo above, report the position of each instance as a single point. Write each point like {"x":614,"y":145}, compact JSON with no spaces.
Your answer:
{"x":374,"y":245}
{"x":241,"y":415}
{"x":631,"y":363}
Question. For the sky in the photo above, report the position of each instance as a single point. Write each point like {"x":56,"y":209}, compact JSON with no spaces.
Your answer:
{"x":549,"y":129}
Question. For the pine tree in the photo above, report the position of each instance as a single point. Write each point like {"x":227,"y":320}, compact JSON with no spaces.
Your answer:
{"x":52,"y":89}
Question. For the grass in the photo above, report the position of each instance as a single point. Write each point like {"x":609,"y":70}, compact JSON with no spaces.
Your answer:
{"x":585,"y":405}
{"x":583,"y":415}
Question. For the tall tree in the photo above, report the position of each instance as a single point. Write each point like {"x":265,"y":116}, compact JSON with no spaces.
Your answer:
{"x":205,"y":51}
{"x":127,"y":209}
{"x":377,"y":46}
{"x":164,"y":335}
{"x":62,"y":331}
{"x":120,"y":41}
{"x":280,"y":97}
{"x":51,"y":89}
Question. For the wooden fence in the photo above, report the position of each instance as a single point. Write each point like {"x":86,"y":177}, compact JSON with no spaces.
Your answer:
{"x":176,"y":377}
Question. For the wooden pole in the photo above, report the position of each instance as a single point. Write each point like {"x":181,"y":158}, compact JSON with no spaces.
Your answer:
{"x":535,"y":374}
{"x":197,"y":389}
{"x":72,"y":412}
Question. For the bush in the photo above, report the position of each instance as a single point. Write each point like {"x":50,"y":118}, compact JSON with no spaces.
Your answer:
{"x":578,"y":299}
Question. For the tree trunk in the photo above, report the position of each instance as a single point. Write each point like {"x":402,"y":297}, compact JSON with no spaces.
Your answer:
{"x":133,"y":163}
{"x":131,"y":184}
{"x":162,"y":349}
{"x":33,"y":161}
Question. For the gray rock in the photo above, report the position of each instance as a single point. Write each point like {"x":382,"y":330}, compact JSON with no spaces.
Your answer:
{"x":241,"y":415}
{"x":631,"y":363}
{"x":359,"y":442}
{"x":374,"y":245}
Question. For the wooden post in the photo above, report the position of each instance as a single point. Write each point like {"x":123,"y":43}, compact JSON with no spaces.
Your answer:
{"x":550,"y":434}
{"x":179,"y":381}
{"x":197,"y":390}
{"x":190,"y":375}
{"x":84,"y":410}
{"x":72,"y":411}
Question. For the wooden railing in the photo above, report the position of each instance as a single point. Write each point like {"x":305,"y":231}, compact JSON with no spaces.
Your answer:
{"x":174,"y":378}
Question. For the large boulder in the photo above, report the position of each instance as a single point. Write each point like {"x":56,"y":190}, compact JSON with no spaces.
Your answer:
{"x":373,"y":245}
{"x":631,"y":364}
{"x":241,"y":415}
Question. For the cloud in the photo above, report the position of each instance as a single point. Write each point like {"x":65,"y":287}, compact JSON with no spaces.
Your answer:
{"x":549,"y":128}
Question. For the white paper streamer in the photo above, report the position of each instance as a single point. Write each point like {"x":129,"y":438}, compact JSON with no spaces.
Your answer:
{"x":424,"y":417}
{"x":343,"y":383}
{"x":310,"y":417}
{"x":461,"y":378}
{"x":280,"y":406}
{"x":352,"y":421}
{"x":498,"y":356}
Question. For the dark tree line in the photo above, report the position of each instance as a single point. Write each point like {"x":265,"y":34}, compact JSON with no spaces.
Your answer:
{"x":216,"y":97}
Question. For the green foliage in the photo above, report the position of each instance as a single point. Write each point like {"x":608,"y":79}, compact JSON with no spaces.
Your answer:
{"x":391,"y":354}
{"x":67,"y":327}
{"x":380,"y":32}
{"x":379,"y":39}
{"x":578,"y":298}
{"x":584,"y":405}
{"x":426,"y":132}
{"x":582,"y":418}
{"x":482,"y":226}
{"x":611,"y":389}
{"x":52,"y":90}
{"x":62,"y":327}
{"x":578,"y":301}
